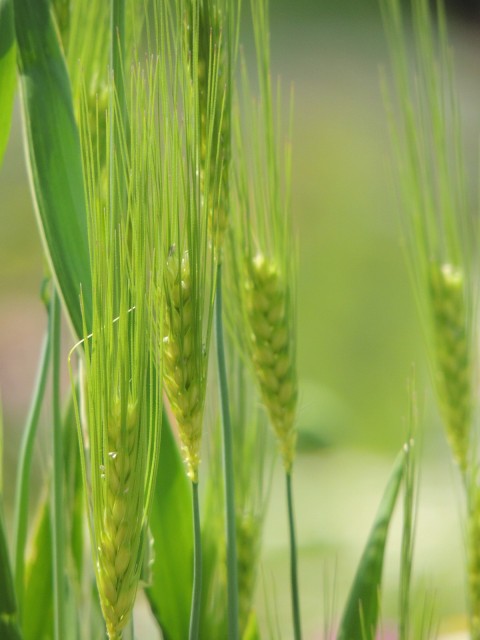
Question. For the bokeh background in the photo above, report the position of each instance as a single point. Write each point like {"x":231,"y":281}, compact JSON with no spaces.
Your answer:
{"x":359,"y":334}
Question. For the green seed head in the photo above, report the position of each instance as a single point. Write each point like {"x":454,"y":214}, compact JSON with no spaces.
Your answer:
{"x":117,"y":551}
{"x":453,"y":365}
{"x":183,"y":358}
{"x":272,"y":353}
{"x":122,"y":369}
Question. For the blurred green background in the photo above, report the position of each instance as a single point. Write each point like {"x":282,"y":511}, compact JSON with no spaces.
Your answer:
{"x":358,"y":329}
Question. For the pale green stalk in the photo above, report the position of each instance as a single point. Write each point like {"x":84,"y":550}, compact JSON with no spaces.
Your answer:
{"x":297,"y":629}
{"x":58,"y":512}
{"x":410,"y":492}
{"x":22,"y":492}
{"x":228,"y":469}
{"x":194,"y":627}
{"x":252,"y":471}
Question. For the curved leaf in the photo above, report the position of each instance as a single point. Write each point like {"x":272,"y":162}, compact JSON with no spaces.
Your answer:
{"x":53,"y":153}
{"x":360,"y":617}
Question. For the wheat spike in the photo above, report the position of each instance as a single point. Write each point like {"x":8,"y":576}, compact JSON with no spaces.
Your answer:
{"x":271,"y":350}
{"x":452,"y":356}
{"x":182,"y":369}
{"x":116,"y":562}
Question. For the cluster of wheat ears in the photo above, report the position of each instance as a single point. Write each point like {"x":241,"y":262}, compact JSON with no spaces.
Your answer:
{"x":160,"y":170}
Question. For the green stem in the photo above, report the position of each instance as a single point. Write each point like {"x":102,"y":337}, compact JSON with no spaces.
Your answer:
{"x":194,"y":629}
{"x":58,"y":516}
{"x":232,"y":566}
{"x":293,"y":561}
{"x":24,"y":470}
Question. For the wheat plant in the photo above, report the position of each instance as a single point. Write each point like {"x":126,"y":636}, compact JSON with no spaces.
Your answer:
{"x":160,"y":164}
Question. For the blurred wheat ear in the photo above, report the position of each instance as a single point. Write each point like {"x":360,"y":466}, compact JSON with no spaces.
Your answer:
{"x":440,"y":236}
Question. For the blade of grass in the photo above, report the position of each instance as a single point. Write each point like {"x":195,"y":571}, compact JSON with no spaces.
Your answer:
{"x":38,"y":590}
{"x":8,"y":73}
{"x":58,"y":517}
{"x":228,"y":470}
{"x":53,"y":153}
{"x":38,"y":596}
{"x":8,"y":607}
{"x":360,"y":616}
{"x":9,"y":629}
{"x":23,"y":475}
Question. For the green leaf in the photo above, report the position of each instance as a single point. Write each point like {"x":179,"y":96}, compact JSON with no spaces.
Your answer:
{"x":8,"y":605}
{"x":359,"y":621}
{"x":7,"y":72}
{"x":171,"y":528}
{"x":53,"y":153}
{"x":38,"y":598}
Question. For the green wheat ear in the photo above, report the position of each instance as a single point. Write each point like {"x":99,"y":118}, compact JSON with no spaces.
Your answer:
{"x":270,"y":335}
{"x":452,"y":352}
{"x":190,"y":164}
{"x":439,"y":236}
{"x":182,"y":371}
{"x":122,"y":385}
{"x":262,"y":269}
